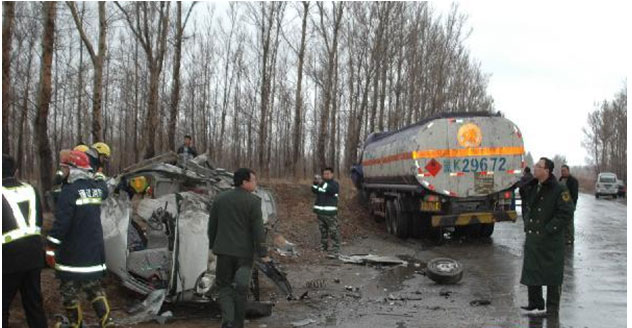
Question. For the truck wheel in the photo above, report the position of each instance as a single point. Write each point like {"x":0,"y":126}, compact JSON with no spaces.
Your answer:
{"x":487,"y":230}
{"x":436,"y":235}
{"x":596,"y":196}
{"x":401,"y":221}
{"x":390,"y":216}
{"x":443,"y":270}
{"x":469,"y":231}
{"x":416,"y":224}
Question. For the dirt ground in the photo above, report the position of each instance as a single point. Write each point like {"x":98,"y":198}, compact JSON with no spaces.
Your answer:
{"x":296,"y":223}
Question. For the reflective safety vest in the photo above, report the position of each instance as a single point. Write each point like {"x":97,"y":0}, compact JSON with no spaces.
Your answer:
{"x":326,"y":198}
{"x":25,"y":226}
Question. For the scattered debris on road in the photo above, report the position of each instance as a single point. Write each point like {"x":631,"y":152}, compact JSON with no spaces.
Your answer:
{"x":372,"y":259}
{"x":303,"y":322}
{"x":480,"y":302}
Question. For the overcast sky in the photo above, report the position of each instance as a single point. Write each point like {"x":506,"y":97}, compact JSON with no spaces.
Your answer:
{"x":549,"y":63}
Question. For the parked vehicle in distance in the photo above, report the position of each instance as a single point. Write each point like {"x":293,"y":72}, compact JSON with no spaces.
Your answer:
{"x":621,"y":188}
{"x":606,"y":185}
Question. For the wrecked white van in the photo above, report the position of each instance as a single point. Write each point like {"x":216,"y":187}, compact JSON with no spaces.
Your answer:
{"x":155,"y":227}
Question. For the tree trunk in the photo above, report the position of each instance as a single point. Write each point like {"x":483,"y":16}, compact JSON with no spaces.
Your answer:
{"x":7,"y":35}
{"x":43,"y":98}
{"x":97,"y":117}
{"x":175,"y":93}
{"x":23,"y":123}
{"x":298,"y":104}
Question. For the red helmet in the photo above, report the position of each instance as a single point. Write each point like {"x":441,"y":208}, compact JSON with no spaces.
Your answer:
{"x":75,"y":158}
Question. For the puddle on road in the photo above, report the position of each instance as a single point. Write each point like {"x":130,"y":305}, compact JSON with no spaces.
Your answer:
{"x":392,"y":279}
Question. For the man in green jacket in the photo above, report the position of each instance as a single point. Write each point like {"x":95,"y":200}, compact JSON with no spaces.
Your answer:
{"x":573,"y":187}
{"x":326,"y":209}
{"x":236,"y":235}
{"x":549,"y":207}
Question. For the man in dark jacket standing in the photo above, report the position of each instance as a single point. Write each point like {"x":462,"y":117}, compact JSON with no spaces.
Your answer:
{"x":236,"y":234}
{"x":75,"y":243}
{"x":22,"y":247}
{"x":548,"y":209}
{"x":573,"y":187}
{"x":326,"y":209}
{"x":523,"y":186}
{"x":187,"y":151}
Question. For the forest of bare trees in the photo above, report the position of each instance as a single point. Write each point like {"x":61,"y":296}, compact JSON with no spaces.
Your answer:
{"x":283,"y":87}
{"x":605,"y":136}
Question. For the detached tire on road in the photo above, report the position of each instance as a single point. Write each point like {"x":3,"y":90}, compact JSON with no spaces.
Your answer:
{"x":444,"y":271}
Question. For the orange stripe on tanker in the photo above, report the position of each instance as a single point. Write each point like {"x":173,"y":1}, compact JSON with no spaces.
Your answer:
{"x":446,"y":153}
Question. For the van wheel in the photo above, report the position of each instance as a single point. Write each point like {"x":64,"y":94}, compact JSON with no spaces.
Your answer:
{"x":596,"y":196}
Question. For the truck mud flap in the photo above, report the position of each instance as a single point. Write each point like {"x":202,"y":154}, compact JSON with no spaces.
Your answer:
{"x":472,"y":218}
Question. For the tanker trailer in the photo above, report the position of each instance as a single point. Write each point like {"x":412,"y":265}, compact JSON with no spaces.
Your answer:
{"x":450,"y":171}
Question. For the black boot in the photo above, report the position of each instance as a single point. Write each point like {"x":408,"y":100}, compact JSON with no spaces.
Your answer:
{"x":102,"y":309}
{"x":74,"y":318}
{"x":536,"y":302}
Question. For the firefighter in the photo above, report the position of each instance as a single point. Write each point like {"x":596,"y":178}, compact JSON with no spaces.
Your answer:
{"x":92,"y":153}
{"x":103,"y":155}
{"x":326,"y":209}
{"x":22,"y":248}
{"x":75,"y":243}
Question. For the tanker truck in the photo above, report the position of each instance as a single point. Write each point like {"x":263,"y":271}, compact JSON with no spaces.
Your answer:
{"x":451,"y":171}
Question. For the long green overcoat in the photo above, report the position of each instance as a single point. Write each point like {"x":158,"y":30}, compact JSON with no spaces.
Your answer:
{"x":546,"y":215}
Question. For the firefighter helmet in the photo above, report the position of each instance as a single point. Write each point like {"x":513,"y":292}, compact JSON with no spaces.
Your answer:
{"x":74,"y":158}
{"x":81,"y":147}
{"x":102,"y":148}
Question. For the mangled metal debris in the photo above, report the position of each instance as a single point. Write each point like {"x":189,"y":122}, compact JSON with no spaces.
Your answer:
{"x":155,"y":228}
{"x":284,"y":247}
{"x":304,"y":322}
{"x":147,"y":310}
{"x":372,"y":259}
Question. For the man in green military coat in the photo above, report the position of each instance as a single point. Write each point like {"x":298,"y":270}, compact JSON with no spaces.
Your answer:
{"x":548,"y":209}
{"x":236,"y":235}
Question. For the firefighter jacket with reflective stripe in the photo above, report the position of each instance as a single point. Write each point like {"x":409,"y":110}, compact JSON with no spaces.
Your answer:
{"x":22,"y":247}
{"x":77,"y":234}
{"x":326,"y":197}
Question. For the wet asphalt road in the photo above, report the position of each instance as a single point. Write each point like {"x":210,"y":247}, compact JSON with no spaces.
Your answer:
{"x":593,"y":295}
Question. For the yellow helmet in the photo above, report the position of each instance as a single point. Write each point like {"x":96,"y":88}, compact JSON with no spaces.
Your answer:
{"x":102,"y":148}
{"x":81,"y":148}
{"x":139,"y":184}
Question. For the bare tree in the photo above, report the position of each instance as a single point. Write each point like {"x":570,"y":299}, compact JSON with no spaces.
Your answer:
{"x":7,"y":34}
{"x":44,"y":96}
{"x":331,"y":48}
{"x":153,"y":40}
{"x":298,"y":102}
{"x":605,"y":137}
{"x":97,"y":59}
{"x":175,"y":92}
